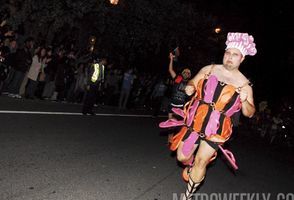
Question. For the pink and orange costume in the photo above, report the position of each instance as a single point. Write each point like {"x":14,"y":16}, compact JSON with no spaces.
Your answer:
{"x":207,"y":115}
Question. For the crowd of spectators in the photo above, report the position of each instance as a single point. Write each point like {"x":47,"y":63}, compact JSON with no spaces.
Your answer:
{"x":30,"y":70}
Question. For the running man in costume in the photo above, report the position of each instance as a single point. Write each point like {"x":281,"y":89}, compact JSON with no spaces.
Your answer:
{"x":219,"y":91}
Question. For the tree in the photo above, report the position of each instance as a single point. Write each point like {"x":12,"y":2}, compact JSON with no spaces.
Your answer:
{"x":132,"y":29}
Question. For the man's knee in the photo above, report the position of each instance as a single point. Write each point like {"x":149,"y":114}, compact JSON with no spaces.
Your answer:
{"x":181,"y":157}
{"x":201,"y":162}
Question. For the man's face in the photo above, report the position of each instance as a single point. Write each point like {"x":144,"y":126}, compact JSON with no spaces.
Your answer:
{"x":186,"y":74}
{"x":103,"y":61}
{"x":232,"y":58}
{"x":13,"y":44}
{"x":30,"y":44}
{"x":43,"y":52}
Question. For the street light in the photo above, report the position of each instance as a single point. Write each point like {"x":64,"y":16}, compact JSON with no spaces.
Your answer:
{"x":114,"y":2}
{"x":217,"y":30}
{"x":92,"y":41}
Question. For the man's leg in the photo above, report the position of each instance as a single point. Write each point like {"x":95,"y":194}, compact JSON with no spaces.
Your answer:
{"x":198,"y":171}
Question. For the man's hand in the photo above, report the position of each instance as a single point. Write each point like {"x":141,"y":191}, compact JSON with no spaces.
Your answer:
{"x":3,"y":23}
{"x":9,"y":33}
{"x":47,"y":60}
{"x":171,"y":56}
{"x":243,"y":96}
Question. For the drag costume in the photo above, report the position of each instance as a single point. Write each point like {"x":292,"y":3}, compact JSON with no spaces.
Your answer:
{"x":208,"y":115}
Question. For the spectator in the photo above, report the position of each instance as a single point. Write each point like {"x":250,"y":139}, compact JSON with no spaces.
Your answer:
{"x":126,"y":88}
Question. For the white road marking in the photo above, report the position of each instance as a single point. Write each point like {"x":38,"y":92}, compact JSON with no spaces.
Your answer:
{"x":69,"y":113}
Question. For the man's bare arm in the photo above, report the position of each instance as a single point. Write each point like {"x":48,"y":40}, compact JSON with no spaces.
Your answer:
{"x":171,"y":66}
{"x":192,"y":84}
{"x":246,"y":96}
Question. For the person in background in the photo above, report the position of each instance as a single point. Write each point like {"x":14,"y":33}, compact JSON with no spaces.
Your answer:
{"x":21,"y":64}
{"x":127,"y":83}
{"x":178,"y":95}
{"x":157,"y":96}
{"x":96,"y":76}
{"x":37,"y":67}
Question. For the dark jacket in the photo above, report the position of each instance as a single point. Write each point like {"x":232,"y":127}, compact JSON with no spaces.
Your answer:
{"x":22,"y":60}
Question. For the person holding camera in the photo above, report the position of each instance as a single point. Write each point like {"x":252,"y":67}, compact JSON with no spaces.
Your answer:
{"x":178,"y":95}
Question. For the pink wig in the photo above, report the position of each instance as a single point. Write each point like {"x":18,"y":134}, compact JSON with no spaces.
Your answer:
{"x":243,"y":42}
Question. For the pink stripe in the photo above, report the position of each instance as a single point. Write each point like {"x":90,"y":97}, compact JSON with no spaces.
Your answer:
{"x":171,"y":123}
{"x":178,"y":111}
{"x":235,"y":108}
{"x":210,"y":88}
{"x":192,"y":112}
{"x":213,"y":123}
{"x":189,"y":144}
{"x":229,"y":156}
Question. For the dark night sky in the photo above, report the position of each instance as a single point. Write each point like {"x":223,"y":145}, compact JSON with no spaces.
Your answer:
{"x":271,"y":24}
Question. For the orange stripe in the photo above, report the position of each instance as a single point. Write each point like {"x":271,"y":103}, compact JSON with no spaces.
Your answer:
{"x":199,"y":88}
{"x":226,"y":128}
{"x":227,"y":93}
{"x":200,"y":116}
{"x":178,"y":138}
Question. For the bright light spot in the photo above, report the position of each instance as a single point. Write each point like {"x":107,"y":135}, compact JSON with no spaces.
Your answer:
{"x":92,"y":40}
{"x":217,"y":30}
{"x":114,"y":2}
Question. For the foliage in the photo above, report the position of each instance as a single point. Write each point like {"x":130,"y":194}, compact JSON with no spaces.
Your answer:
{"x":132,"y":29}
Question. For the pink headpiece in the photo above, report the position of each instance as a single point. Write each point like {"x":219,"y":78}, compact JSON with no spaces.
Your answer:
{"x":243,"y":42}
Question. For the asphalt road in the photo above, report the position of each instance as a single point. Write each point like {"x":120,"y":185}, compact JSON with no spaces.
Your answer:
{"x":116,"y":156}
